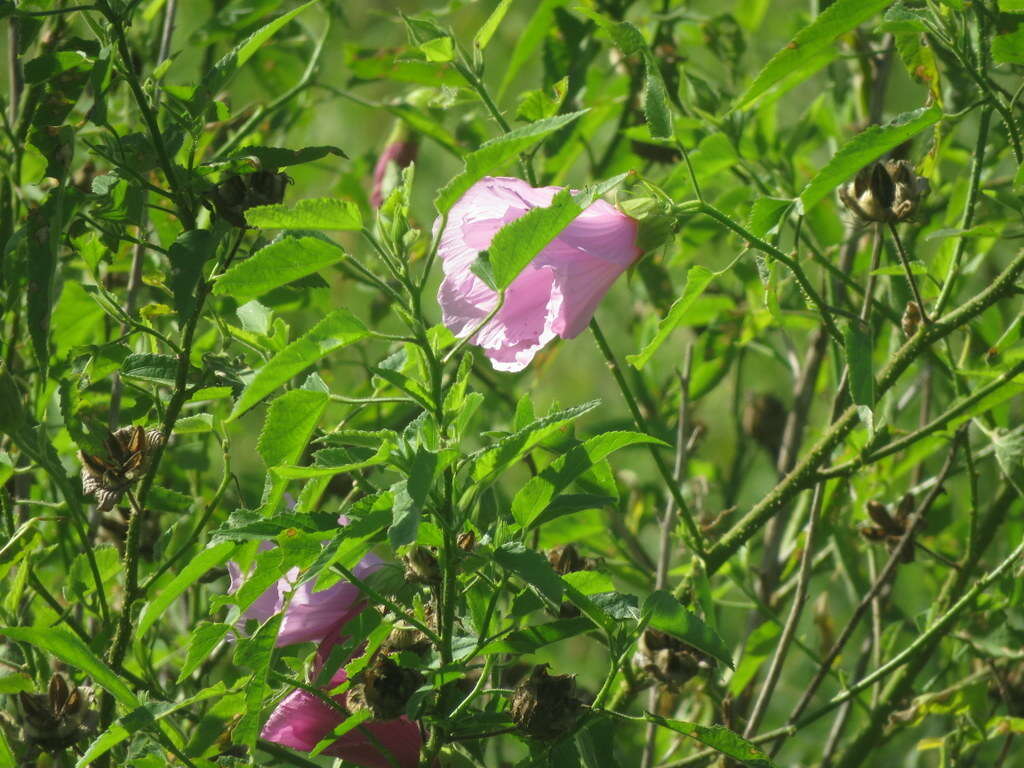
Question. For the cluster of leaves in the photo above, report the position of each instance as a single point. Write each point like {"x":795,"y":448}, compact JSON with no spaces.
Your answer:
{"x":153,"y":276}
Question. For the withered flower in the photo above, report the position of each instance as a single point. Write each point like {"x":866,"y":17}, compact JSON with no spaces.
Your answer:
{"x":239,"y":192}
{"x":128,"y":453}
{"x":421,"y":566}
{"x":384,"y":688}
{"x":545,"y":706}
{"x":888,"y":527}
{"x":57,"y":719}
{"x":887,"y":192}
{"x":668,"y":659}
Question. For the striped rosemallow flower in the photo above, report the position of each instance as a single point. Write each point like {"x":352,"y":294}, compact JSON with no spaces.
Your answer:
{"x":302,"y":720}
{"x":555,"y":295}
{"x":309,"y":616}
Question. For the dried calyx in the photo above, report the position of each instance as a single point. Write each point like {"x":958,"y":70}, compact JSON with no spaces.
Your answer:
{"x":239,"y":192}
{"x":384,"y":688}
{"x":889,"y":528}
{"x":545,"y":706}
{"x":567,"y":559}
{"x":911,"y":319}
{"x":58,"y":719}
{"x":421,"y":566}
{"x":128,"y":454}
{"x":668,"y":659}
{"x":887,"y":192}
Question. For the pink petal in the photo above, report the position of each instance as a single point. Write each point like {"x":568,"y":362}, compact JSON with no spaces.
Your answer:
{"x":556,"y":295}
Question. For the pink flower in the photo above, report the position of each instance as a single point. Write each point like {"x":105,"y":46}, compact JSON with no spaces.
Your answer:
{"x":555,"y":295}
{"x":309,"y":616}
{"x":400,"y":152}
{"x":302,"y":720}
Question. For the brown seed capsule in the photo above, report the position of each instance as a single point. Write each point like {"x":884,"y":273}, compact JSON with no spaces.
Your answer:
{"x":764,"y":419}
{"x":888,"y":192}
{"x":385,"y":688}
{"x":911,"y":319}
{"x":466,"y":541}
{"x":566,"y":559}
{"x":128,"y":452}
{"x":421,"y":566}
{"x":239,"y":192}
{"x":667,"y":659}
{"x":57,"y":719}
{"x":545,"y":706}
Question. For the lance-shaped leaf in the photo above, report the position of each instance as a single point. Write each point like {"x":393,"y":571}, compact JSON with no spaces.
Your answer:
{"x":337,"y":330}
{"x":534,"y":497}
{"x":279,"y":263}
{"x":319,"y":213}
{"x":664,"y":613}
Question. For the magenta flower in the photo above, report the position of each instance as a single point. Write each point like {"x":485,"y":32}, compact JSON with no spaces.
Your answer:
{"x":555,"y":295}
{"x":309,"y":616}
{"x":302,"y":720}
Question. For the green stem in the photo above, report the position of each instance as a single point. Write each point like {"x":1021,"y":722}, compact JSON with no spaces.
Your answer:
{"x":970,"y":204}
{"x":696,"y":537}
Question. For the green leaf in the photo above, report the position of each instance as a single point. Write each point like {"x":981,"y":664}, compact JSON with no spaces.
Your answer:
{"x":866,"y":146}
{"x":697,"y":280}
{"x":1009,"y":49}
{"x":411,"y":497}
{"x":493,"y":154}
{"x":439,"y":50}
{"x":809,"y":45}
{"x":517,"y":243}
{"x":290,"y":421}
{"x":198,"y":565}
{"x":43,"y":235}
{"x":531,"y":639}
{"x":16,"y":683}
{"x":528,"y":40}
{"x":719,"y":738}
{"x":321,"y":469}
{"x":142,"y":718}
{"x":858,"y":358}
{"x":162,"y":369}
{"x":69,"y":649}
{"x":661,"y":611}
{"x":339,"y":329}
{"x":533,"y":568}
{"x":483,"y":36}
{"x":767,"y":214}
{"x":256,"y":654}
{"x":272,"y":158}
{"x":205,"y":638}
{"x":235,"y":59}
{"x":534,"y":497}
{"x":493,"y":460}
{"x":279,"y":263}
{"x":187,"y":255}
{"x":319,"y":213}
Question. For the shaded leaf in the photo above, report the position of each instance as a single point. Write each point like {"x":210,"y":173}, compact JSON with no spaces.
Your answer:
{"x":665,"y":614}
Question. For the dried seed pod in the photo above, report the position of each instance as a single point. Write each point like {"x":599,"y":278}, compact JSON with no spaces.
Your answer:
{"x":128,"y":453}
{"x":384,"y":688}
{"x":566,"y":559}
{"x":545,"y":706}
{"x":911,"y":319}
{"x":239,"y":192}
{"x":57,"y":719}
{"x":466,"y":541}
{"x":421,"y":566}
{"x":888,"y":192}
{"x":764,"y":419}
{"x":889,"y":528}
{"x":668,"y":659}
